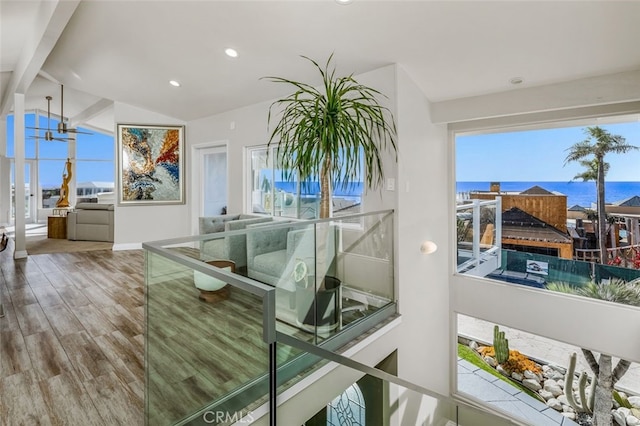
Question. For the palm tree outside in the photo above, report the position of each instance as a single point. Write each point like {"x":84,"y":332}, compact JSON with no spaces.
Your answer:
{"x":591,"y":153}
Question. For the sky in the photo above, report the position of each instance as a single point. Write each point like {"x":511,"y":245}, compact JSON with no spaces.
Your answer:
{"x":538,"y":155}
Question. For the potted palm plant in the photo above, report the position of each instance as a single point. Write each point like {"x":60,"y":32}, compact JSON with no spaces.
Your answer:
{"x":332,"y":132}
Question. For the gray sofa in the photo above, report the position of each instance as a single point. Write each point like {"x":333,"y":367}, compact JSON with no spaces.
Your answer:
{"x":233,"y":247}
{"x":90,"y":222}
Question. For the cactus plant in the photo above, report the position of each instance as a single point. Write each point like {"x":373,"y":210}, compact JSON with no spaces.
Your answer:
{"x":500,"y":345}
{"x":586,"y":404}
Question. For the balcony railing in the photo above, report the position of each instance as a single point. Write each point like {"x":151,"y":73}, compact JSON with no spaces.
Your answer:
{"x":479,"y":234}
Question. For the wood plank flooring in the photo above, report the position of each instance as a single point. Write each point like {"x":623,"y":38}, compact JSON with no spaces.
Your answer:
{"x":72,"y":343}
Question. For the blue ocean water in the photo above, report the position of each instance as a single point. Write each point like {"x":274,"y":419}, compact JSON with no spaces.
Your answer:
{"x":580,"y":193}
{"x":313,"y":188}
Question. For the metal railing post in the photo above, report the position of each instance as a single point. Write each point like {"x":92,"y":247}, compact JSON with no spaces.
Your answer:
{"x":476,"y":231}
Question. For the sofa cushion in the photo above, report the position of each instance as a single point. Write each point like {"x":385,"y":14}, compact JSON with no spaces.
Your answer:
{"x":211,"y":224}
{"x":93,"y":206}
{"x":93,"y":217}
{"x":272,"y":263}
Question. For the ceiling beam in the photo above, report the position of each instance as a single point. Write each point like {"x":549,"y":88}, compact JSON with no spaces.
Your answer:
{"x":52,"y":18}
{"x":90,"y":112}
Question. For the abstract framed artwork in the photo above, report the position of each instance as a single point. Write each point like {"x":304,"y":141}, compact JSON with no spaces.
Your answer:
{"x":150,"y":164}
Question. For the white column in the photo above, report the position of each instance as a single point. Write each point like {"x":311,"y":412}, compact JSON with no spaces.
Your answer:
{"x":20,"y":205}
{"x":5,"y":175}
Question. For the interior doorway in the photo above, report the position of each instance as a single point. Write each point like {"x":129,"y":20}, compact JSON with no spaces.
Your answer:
{"x":210,"y":180}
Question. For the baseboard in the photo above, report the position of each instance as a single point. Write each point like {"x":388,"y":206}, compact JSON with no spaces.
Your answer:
{"x":20,"y":254}
{"x":130,"y":246}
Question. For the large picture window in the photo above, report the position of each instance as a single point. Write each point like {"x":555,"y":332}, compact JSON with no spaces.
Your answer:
{"x":271,"y":193}
{"x":527,"y":207}
{"x":93,"y":157}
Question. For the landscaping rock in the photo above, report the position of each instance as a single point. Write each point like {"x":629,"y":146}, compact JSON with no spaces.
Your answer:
{"x":552,"y":386}
{"x":563,"y":399}
{"x":473,"y":345}
{"x":532,"y":384}
{"x":491,"y":361}
{"x":545,"y":394}
{"x":518,"y":377}
{"x":571,"y":416}
{"x":531,"y":375}
{"x":635,"y":401}
{"x":502,"y":371}
{"x":619,"y":418}
{"x":632,"y":421}
{"x":553,"y":403}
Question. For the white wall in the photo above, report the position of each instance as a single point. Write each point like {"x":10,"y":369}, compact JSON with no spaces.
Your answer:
{"x":137,"y":224}
{"x":423,"y":200}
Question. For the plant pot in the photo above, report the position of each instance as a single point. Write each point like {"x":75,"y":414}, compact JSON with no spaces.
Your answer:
{"x":318,"y":309}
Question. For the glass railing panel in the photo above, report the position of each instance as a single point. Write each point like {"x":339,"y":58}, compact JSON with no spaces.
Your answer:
{"x":327,"y":273}
{"x":197,"y":352}
{"x":228,"y":373}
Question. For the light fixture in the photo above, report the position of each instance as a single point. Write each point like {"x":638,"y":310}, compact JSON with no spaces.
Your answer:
{"x":232,"y":53}
{"x":516,"y":80}
{"x":344,"y":2}
{"x":174,"y":83}
{"x":428,"y":247}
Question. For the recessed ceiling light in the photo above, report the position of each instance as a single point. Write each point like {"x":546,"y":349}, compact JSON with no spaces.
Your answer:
{"x":174,"y":83}
{"x":344,"y":1}
{"x":232,"y":53}
{"x":516,"y":80}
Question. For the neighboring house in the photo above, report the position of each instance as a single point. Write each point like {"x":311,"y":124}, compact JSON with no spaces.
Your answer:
{"x":524,"y":232}
{"x":533,"y":220}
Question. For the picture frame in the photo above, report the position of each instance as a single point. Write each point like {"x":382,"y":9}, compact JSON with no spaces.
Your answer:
{"x":151,"y":162}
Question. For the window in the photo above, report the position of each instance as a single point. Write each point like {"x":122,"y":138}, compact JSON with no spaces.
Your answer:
{"x":95,"y":171}
{"x":347,"y":408}
{"x":546,"y":205}
{"x":94,"y":159}
{"x":270,"y":193}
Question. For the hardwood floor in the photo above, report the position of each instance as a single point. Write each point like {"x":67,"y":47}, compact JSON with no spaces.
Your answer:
{"x":72,"y":343}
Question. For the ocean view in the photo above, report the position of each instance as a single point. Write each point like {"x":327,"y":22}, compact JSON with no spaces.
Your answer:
{"x":581,"y":193}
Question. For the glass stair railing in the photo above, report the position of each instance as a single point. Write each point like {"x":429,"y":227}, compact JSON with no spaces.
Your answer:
{"x":324,"y":282}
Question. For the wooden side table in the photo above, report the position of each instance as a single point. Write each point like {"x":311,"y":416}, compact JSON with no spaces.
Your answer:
{"x":57,"y":227}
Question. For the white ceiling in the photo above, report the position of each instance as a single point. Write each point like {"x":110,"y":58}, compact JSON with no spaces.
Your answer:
{"x":127,"y":51}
